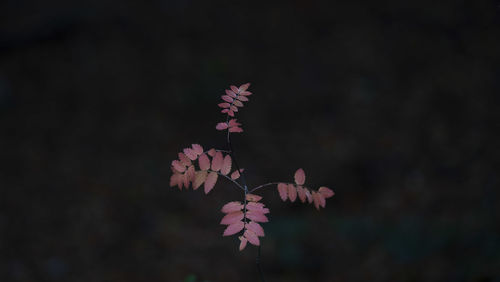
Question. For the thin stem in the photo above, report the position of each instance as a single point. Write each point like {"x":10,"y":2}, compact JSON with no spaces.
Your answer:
{"x":264,"y":185}
{"x":230,"y":179}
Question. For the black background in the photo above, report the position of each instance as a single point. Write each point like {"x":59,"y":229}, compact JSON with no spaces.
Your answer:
{"x":392,"y":104}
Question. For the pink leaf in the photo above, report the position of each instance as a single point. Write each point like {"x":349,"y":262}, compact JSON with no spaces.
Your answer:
{"x":300,"y":177}
{"x":231,"y":218}
{"x":238,"y":103}
{"x":226,"y":165}
{"x":253,"y":198}
{"x":257,"y":216}
{"x":211,"y":152}
{"x":224,"y":111}
{"x":233,"y":228}
{"x":245,"y":93}
{"x":283,"y":190}
{"x":230,"y":113}
{"x":204,"y":162}
{"x":244,"y":87}
{"x":190,"y":173}
{"x":301,"y":193}
{"x":230,"y":93}
{"x":174,"y":179}
{"x":199,"y":178}
{"x":210,"y":181}
{"x":251,"y":237}
{"x":319,"y":200}
{"x":224,"y":105}
{"x":185,"y":180}
{"x":292,"y":192}
{"x":184,"y":159}
{"x":234,"y":89}
{"x":233,"y":108}
{"x":256,"y":228}
{"x":242,"y":98}
{"x":217,"y":161}
{"x":232,"y":207}
{"x":257,"y":207}
{"x":243,"y":242}
{"x":178,"y":166}
{"x":233,"y":122}
{"x":221,"y":126}
{"x":326,"y":192}
{"x":191,"y":154}
{"x":198,"y":149}
{"x":236,"y":174}
{"x":227,"y":98}
{"x":235,"y":129}
{"x":308,"y":195}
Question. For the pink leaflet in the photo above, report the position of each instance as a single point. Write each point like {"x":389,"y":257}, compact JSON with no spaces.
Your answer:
{"x":210,"y":181}
{"x":227,"y":98}
{"x":226,"y":165}
{"x":308,"y":195}
{"x":231,"y":218}
{"x":230,"y":113}
{"x":174,"y":179}
{"x":257,"y":207}
{"x":199,"y":178}
{"x":235,"y":129}
{"x":251,"y":237}
{"x":224,"y":111}
{"x":232,"y":207}
{"x":242,"y":98}
{"x":190,"y":173}
{"x":204,"y":162}
{"x":301,"y":193}
{"x":211,"y":152}
{"x":243,"y":242}
{"x":190,"y":153}
{"x":178,"y":166}
{"x":217,"y":161}
{"x":257,"y":216}
{"x":283,"y":190}
{"x":238,"y":103}
{"x":184,"y":159}
{"x":254,"y":198}
{"x":230,"y":93}
{"x":245,"y":93}
{"x":236,"y":174}
{"x":221,"y":126}
{"x":233,"y":122}
{"x":244,"y":87}
{"x":256,"y":228}
{"x":185,"y":180}
{"x":233,"y":228}
{"x":234,"y":89}
{"x":198,"y":149}
{"x":326,"y":192}
{"x":292,"y":192}
{"x":233,"y":108}
{"x":319,"y":200}
{"x":300,"y":177}
{"x":224,"y":105}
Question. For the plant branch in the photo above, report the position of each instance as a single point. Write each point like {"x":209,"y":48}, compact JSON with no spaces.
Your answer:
{"x":264,"y":185}
{"x":230,"y":179}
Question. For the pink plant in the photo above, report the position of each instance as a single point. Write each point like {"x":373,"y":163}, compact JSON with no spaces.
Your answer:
{"x":197,"y":167}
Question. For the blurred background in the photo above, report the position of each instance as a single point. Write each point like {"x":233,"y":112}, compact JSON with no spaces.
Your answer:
{"x":392,"y":104}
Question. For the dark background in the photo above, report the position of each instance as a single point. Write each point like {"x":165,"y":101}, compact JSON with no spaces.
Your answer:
{"x":393,"y":104}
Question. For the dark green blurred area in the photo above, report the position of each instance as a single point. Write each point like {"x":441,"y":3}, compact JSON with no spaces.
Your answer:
{"x":392,"y":104}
